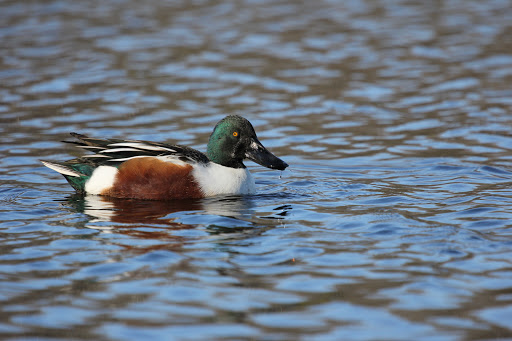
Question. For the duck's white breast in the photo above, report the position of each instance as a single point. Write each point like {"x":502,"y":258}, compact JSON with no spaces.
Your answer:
{"x":215,"y":179}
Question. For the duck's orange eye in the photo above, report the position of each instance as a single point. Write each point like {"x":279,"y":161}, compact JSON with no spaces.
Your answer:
{"x":235,"y":133}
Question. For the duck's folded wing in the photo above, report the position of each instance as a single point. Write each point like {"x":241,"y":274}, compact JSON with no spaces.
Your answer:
{"x":114,"y":152}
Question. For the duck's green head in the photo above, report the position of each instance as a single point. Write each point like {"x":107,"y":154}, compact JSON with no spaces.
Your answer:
{"x":233,"y":139}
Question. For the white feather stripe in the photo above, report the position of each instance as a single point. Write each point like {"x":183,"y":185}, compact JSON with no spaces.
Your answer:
{"x":165,"y":158}
{"x":156,"y":148}
{"x":126,"y":144}
{"x":142,"y":146}
{"x":62,"y":169}
{"x":91,"y":147}
{"x":118,"y":150}
{"x":127,"y":158}
{"x":172,"y":159}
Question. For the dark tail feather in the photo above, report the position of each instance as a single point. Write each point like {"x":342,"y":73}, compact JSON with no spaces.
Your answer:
{"x":84,"y":140}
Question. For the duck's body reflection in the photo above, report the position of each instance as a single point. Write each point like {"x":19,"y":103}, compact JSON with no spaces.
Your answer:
{"x":136,"y":212}
{"x":160,"y":220}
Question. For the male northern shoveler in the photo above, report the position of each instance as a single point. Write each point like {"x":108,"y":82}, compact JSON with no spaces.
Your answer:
{"x":158,"y":171}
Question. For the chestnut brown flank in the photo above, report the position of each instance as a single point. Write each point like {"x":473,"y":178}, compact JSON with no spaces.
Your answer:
{"x":152,"y":179}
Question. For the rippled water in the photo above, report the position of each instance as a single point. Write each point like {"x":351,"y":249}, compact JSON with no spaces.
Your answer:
{"x":392,"y":222}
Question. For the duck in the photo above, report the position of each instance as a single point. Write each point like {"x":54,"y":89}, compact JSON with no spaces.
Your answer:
{"x":146,"y":170}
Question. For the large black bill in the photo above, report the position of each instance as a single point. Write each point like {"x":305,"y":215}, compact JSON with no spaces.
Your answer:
{"x":259,"y":154}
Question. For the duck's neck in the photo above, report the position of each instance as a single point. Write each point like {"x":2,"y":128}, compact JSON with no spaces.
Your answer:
{"x":222,"y":157}
{"x":225,"y":160}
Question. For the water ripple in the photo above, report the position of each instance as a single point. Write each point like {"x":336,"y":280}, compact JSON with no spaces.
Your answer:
{"x":392,"y":221}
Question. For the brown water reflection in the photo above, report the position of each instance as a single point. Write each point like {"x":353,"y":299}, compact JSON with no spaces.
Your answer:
{"x":136,"y":218}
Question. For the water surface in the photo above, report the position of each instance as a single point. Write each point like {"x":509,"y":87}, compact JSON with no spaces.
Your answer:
{"x":392,"y":222}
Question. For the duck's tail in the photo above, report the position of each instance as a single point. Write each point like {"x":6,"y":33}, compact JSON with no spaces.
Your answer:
{"x":62,"y":168}
{"x":75,"y":178}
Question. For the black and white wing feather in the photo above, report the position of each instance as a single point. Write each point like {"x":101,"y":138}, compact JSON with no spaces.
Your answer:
{"x":114,"y":152}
